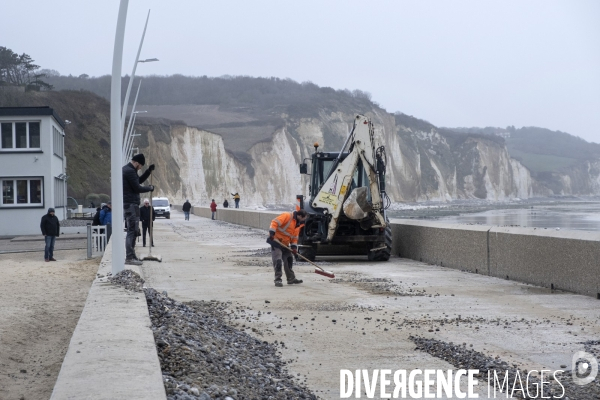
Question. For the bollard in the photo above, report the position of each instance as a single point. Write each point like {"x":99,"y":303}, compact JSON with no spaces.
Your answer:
{"x":89,"y":241}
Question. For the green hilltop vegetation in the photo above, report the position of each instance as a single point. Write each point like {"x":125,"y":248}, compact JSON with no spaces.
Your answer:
{"x":258,"y":95}
{"x":541,"y":150}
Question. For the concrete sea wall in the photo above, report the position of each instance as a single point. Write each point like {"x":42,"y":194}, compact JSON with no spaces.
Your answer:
{"x":563,"y":260}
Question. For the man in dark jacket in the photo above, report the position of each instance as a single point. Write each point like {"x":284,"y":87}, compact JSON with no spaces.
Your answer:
{"x":145,"y":212}
{"x":225,"y":204}
{"x":51,"y":230}
{"x":96,"y":220}
{"x":186,"y":209}
{"x":131,"y":202}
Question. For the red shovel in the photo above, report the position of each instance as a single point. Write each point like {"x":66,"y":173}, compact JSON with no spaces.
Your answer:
{"x":318,"y":270}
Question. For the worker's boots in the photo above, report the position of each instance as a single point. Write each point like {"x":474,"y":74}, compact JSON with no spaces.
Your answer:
{"x":295,"y":281}
{"x":278,"y":283}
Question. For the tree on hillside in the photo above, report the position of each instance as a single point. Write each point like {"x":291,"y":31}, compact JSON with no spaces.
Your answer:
{"x":20,"y":70}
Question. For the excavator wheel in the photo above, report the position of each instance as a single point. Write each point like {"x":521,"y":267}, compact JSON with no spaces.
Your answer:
{"x":383,"y":254}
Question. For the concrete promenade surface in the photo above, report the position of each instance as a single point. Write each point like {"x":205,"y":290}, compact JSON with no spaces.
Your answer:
{"x":376,"y":305}
{"x":565,"y":260}
{"x":360,"y":320}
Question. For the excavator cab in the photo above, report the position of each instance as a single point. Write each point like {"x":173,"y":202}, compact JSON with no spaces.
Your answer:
{"x":344,"y":216}
{"x":322,"y":163}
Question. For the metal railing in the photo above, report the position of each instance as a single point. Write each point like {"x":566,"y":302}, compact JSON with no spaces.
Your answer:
{"x":96,"y":240}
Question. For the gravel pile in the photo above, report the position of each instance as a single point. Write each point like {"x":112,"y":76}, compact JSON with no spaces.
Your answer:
{"x":264,"y":252}
{"x":383,"y":286}
{"x":463,"y":358}
{"x":128,"y":279}
{"x":202,"y":356}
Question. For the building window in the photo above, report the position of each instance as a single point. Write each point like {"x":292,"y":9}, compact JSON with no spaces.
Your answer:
{"x":60,"y":194}
{"x":21,"y":192}
{"x":58,"y":142}
{"x":20,"y":135}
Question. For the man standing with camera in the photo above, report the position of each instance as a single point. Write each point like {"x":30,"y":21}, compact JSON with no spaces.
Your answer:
{"x":131,"y":202}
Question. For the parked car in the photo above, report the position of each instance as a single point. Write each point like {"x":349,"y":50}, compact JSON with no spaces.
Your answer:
{"x":162,"y":207}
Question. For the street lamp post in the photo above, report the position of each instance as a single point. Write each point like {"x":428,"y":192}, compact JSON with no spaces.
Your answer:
{"x":137,"y":59}
{"x":129,"y":142}
{"x":128,"y":131}
{"x":116,"y":143}
{"x":130,"y":148}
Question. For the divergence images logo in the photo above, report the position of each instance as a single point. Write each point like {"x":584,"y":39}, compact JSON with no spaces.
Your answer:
{"x":584,"y":368}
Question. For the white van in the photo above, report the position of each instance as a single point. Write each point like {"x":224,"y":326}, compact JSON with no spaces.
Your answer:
{"x":162,"y":208}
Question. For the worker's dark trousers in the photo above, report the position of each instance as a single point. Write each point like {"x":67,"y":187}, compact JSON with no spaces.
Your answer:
{"x":132,"y":217}
{"x":282,"y":258}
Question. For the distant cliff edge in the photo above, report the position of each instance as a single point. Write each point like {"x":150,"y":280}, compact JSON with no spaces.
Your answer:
{"x":248,"y":135}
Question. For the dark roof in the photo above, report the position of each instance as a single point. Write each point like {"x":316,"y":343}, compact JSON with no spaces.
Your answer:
{"x":20,"y":111}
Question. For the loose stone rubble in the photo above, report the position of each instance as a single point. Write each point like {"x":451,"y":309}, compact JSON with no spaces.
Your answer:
{"x":384,"y":286}
{"x":128,"y":279}
{"x":463,"y":358}
{"x":203,"y":357}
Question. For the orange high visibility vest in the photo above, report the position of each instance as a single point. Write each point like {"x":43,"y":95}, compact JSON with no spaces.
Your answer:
{"x":285,"y":229}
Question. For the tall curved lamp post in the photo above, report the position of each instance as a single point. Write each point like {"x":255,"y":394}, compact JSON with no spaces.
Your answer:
{"x":116,"y":143}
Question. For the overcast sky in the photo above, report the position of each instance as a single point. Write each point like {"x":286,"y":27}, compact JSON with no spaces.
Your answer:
{"x":452,"y":63}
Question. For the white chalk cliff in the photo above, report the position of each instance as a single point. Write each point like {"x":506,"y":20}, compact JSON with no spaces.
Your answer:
{"x":422,"y":163}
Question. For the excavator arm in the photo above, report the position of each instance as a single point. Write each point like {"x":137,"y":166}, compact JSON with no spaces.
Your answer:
{"x":334,"y":194}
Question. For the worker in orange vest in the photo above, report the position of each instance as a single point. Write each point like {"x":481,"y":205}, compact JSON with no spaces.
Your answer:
{"x":286,"y":229}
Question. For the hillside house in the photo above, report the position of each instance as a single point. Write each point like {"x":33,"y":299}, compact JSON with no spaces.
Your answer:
{"x":32,"y":168}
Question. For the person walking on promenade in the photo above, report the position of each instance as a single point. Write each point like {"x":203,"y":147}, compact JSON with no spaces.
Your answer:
{"x":51,"y":230}
{"x":186,"y":209}
{"x":225,"y":204}
{"x":285,"y":228}
{"x":146,"y":211}
{"x":131,"y":201}
{"x":213,"y":208}
{"x":236,"y":198}
{"x":106,"y":219}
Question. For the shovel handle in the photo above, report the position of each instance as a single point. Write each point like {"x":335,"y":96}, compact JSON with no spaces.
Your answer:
{"x":299,"y":255}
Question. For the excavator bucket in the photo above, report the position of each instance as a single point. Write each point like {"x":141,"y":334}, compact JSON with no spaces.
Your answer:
{"x":357,"y":206}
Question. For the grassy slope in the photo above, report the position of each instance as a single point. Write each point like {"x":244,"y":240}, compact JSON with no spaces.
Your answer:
{"x":542,"y":150}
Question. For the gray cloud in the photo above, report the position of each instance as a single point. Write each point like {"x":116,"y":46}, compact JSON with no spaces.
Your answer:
{"x":459,"y":63}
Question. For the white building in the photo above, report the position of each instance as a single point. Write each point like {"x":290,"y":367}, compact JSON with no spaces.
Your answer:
{"x":32,"y":168}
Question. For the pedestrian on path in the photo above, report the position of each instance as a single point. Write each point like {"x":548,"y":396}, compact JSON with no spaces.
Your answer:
{"x":225,"y":204}
{"x":50,"y":227}
{"x":213,"y":208}
{"x":236,"y":198}
{"x":186,"y":209}
{"x":285,"y":228}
